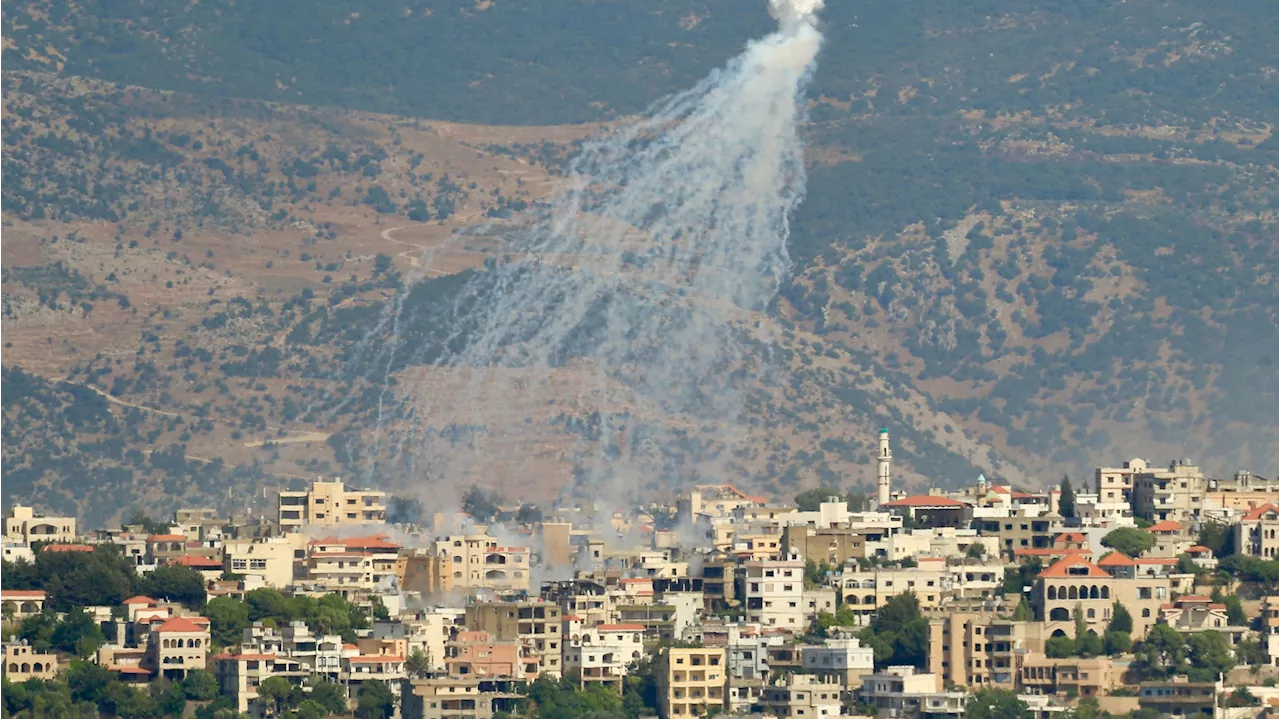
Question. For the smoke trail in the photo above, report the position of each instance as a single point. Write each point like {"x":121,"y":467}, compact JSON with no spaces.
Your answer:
{"x":629,"y":304}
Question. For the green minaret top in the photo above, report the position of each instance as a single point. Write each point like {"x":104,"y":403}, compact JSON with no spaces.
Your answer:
{"x":884,"y":430}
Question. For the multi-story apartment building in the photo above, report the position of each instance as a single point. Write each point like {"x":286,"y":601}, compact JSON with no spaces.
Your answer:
{"x":746,"y":647}
{"x":1074,"y":583}
{"x":601,"y":653}
{"x":1040,"y":675}
{"x":477,"y":560}
{"x":840,"y":658}
{"x":1180,"y":697}
{"x":199,"y":522}
{"x":981,"y":648}
{"x":535,"y":624}
{"x":480,"y":655}
{"x":424,"y":571}
{"x":1256,"y":535}
{"x":328,"y":504}
{"x":1176,"y":494}
{"x":691,"y":682}
{"x":1019,"y":528}
{"x":352,"y":566}
{"x":459,"y":698}
{"x":901,"y":691}
{"x":865,"y":591}
{"x":277,"y":560}
{"x":801,"y":695}
{"x":1115,"y":484}
{"x":775,"y":594}
{"x":240,"y":675}
{"x":25,"y":526}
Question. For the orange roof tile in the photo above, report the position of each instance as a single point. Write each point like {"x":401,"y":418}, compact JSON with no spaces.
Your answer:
{"x":1167,"y":525}
{"x":22,"y":594}
{"x":140,"y":600}
{"x":1060,"y":568}
{"x":1257,"y":512}
{"x":183,"y":624}
{"x":1116,"y":559}
{"x":621,"y":627}
{"x":1198,"y":549}
{"x":923,"y":500}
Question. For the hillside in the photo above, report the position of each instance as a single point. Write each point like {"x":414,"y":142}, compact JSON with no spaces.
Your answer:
{"x":1038,"y":236}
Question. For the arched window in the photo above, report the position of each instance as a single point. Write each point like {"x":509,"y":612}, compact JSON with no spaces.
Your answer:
{"x":37,"y":667}
{"x":1053,"y":593}
{"x":1146,"y":613}
{"x":869,"y":599}
{"x":1091,"y":614}
{"x":1106,"y":592}
{"x":1059,"y":614}
{"x":26,"y":668}
{"x":1084,"y":592}
{"x":1071,"y":593}
{"x":13,"y":668}
{"x":1093,"y":593}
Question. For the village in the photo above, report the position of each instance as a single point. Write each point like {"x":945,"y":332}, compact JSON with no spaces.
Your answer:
{"x":1150,"y":593}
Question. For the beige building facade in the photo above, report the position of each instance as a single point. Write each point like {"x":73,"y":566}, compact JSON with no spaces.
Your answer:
{"x":691,"y":682}
{"x":329,"y":504}
{"x":25,"y":526}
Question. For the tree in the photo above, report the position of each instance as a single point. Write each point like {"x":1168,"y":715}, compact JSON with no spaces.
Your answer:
{"x":1059,"y":647}
{"x":177,"y":584}
{"x":78,"y":634}
{"x":1116,"y":643}
{"x":481,"y":505}
{"x":170,"y":698}
{"x":1023,"y":612}
{"x":276,"y":694}
{"x":1209,"y":654}
{"x":417,"y":663}
{"x":1067,"y":499}
{"x":899,"y":633}
{"x":1129,"y":541}
{"x":529,"y":514}
{"x":1249,"y":652}
{"x":1121,"y":619}
{"x":1089,"y":644}
{"x":857,"y":501}
{"x":977,"y":550}
{"x":810,"y":499}
{"x":329,"y":695}
{"x":200,"y":685}
{"x":1235,"y":610}
{"x":227,"y":619}
{"x":815,"y":573}
{"x":401,"y":510}
{"x":996,"y":704}
{"x":1216,"y":537}
{"x":1250,"y":569}
{"x":1161,"y":652}
{"x":374,"y":701}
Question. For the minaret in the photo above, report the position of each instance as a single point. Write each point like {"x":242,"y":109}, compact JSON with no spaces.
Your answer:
{"x":883,"y":457}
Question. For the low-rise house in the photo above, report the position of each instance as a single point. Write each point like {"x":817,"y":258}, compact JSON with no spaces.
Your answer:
{"x":459,"y":697}
{"x":178,"y":645}
{"x":21,"y":603}
{"x":903,"y":692}
{"x":1256,"y":535}
{"x":1180,"y":697}
{"x":478,"y":654}
{"x":1075,"y":676}
{"x":240,"y":675}
{"x":840,"y":658}
{"x":23,"y":525}
{"x":601,"y":653}
{"x":21,"y":663}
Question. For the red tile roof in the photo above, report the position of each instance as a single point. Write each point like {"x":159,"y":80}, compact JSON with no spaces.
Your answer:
{"x":1167,"y":525}
{"x":1116,"y":559}
{"x":183,"y":624}
{"x":1257,"y":512}
{"x":140,"y":600}
{"x":1198,"y":549}
{"x":1060,"y":569}
{"x":922,"y":500}
{"x":22,"y":594}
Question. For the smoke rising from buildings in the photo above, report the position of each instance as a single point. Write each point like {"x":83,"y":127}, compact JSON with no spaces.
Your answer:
{"x":632,"y":301}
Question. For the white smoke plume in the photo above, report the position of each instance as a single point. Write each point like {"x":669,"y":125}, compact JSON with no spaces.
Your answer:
{"x":629,"y":302}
